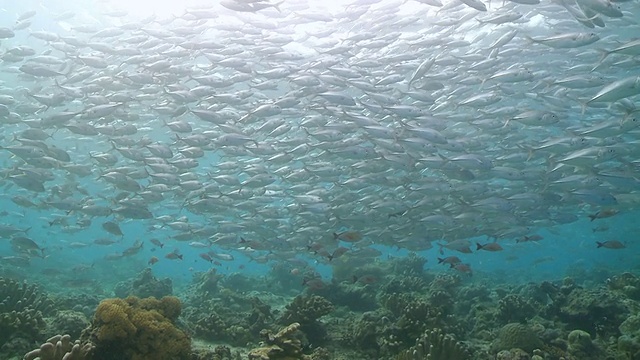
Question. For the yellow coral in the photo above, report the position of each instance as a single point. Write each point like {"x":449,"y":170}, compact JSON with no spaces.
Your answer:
{"x":143,"y":327}
{"x":113,"y":320}
{"x":171,"y":307}
{"x":168,"y":306}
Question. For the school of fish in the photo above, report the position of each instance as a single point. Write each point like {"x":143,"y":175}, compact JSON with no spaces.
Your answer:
{"x":279,"y":129}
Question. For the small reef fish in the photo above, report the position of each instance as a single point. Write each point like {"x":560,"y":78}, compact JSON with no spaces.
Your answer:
{"x":348,"y":236}
{"x":104,"y":241}
{"x":462,"y":246}
{"x":112,"y":228}
{"x":153,"y":260}
{"x":611,"y":244}
{"x":600,"y":228}
{"x":603,"y":214}
{"x":314,"y":283}
{"x":527,"y":238}
{"x":157,"y":243}
{"x":26,"y":245}
{"x":450,"y":260}
{"x":221,"y":256}
{"x":134,"y":249}
{"x":337,"y":253}
{"x":365,"y":279}
{"x":174,"y":255}
{"x":463,"y":268}
{"x":489,"y":247}
{"x":206,"y":257}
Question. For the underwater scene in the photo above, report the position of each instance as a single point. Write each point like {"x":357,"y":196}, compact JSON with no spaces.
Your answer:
{"x":319,"y":180}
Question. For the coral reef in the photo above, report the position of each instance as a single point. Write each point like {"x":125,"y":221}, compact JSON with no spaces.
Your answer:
{"x":595,"y":310}
{"x":580,"y":346}
{"x":398,"y":284}
{"x":515,"y":308}
{"x":231,"y":317}
{"x":306,"y":310}
{"x":84,"y":303}
{"x":21,"y":310}
{"x":145,"y":285}
{"x":629,"y":342}
{"x":138,"y":329}
{"x":513,"y":354}
{"x":68,"y":322}
{"x":516,"y":335}
{"x":411,"y":316}
{"x":626,"y":283}
{"x":411,"y":265}
{"x":355,"y":296}
{"x":435,"y":345}
{"x":60,"y":347}
{"x":348,"y":319}
{"x":284,"y":345}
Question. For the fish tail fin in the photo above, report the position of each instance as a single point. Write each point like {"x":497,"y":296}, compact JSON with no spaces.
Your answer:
{"x":599,"y":244}
{"x":478,"y":246}
{"x":277,"y":5}
{"x":440,"y":260}
{"x":593,"y":217}
{"x":604,"y":54}
{"x":336,"y":236}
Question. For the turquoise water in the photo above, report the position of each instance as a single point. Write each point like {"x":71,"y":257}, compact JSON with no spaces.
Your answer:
{"x":563,"y":247}
{"x":379,"y":157}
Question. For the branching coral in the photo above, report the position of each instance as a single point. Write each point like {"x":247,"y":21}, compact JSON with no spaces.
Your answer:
{"x":21,"y":308}
{"x":434,"y":345}
{"x":60,"y":347}
{"x":138,"y":329}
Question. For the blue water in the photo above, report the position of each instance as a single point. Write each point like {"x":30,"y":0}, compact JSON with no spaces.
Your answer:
{"x":565,"y":249}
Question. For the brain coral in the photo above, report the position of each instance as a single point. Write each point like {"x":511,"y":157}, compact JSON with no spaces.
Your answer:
{"x":515,"y":335}
{"x":139,"y":329}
